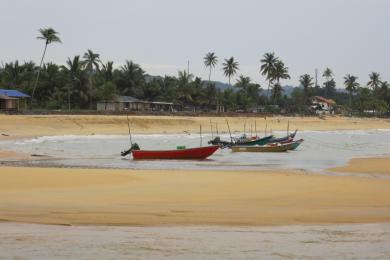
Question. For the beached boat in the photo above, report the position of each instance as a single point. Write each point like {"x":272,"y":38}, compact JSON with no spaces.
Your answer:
{"x":284,"y":139}
{"x":268,"y":148}
{"x":296,"y":144}
{"x":190,"y":153}
{"x":249,"y":142}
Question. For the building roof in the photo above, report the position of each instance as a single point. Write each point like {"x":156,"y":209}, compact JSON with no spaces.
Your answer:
{"x":13,"y":93}
{"x":127,"y":99}
{"x":325,"y":100}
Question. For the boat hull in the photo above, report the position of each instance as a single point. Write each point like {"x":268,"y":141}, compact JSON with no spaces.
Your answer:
{"x":191,"y":153}
{"x":269,"y":148}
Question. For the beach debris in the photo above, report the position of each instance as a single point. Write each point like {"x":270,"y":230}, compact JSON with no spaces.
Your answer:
{"x":4,"y":134}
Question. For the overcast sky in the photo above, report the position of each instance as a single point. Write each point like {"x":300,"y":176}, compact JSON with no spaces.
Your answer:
{"x":349,"y":36}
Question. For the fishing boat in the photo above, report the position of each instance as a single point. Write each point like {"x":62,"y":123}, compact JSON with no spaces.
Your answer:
{"x":190,"y":153}
{"x":296,"y":144}
{"x":268,"y":148}
{"x":284,"y":139}
{"x":249,"y":142}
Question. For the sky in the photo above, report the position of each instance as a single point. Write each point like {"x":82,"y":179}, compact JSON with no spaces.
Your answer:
{"x":348,"y":36}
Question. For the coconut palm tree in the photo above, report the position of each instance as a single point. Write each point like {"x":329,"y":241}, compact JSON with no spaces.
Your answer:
{"x":306,"y":82}
{"x":107,"y":71}
{"x":91,"y":63}
{"x":74,"y":73}
{"x":375,"y":81}
{"x":350,"y":85}
{"x":279,"y":72}
{"x":49,"y":35}
{"x":131,"y":80}
{"x":230,"y":67}
{"x":210,"y":60}
{"x":328,"y":74}
{"x":267,"y":67}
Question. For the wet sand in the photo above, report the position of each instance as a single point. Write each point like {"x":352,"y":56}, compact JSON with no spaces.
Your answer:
{"x":379,"y":165}
{"x":352,"y":241}
{"x":19,"y":126}
{"x":152,"y":197}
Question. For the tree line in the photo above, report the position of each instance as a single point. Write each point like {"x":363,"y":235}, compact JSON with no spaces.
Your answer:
{"x":86,"y":79}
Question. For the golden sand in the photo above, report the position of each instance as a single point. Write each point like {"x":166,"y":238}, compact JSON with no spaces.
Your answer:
{"x":16,"y":126}
{"x":162,"y":197}
{"x":379,"y":165}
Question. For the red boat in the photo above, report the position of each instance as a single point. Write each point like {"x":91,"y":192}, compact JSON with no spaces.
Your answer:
{"x":191,"y":153}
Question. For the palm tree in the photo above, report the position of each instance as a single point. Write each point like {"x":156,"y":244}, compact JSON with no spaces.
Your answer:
{"x":230,"y":67}
{"x":107,"y":71}
{"x":132,"y":79}
{"x":49,"y":35}
{"x":267,"y":67}
{"x":91,"y":63}
{"x":279,"y":72}
{"x":350,"y":85}
{"x":328,"y":74}
{"x":306,"y":82}
{"x":375,"y":80}
{"x":73,"y":71}
{"x":210,"y":60}
{"x":243,"y":82}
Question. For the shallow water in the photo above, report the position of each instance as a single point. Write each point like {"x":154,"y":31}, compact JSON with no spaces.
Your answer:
{"x":321,"y":150}
{"x":354,"y":241}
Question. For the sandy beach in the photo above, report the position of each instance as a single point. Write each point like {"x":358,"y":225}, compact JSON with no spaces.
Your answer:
{"x":134,"y":197}
{"x":70,"y":196}
{"x":19,"y":126}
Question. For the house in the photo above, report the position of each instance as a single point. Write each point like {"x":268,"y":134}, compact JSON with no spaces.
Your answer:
{"x":321,"y":105}
{"x":123,"y":103}
{"x":10,"y":100}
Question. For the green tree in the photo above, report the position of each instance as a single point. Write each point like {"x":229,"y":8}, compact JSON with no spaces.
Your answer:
{"x":306,"y":82}
{"x":210,"y":61}
{"x":75,"y":79}
{"x":230,"y":67}
{"x":49,"y":35}
{"x":328,"y":74}
{"x":350,"y":85}
{"x":280,"y":72}
{"x":375,"y":81}
{"x":267,"y":68}
{"x":91,"y":64}
{"x":130,"y":79}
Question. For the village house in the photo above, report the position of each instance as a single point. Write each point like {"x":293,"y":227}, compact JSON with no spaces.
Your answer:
{"x":12,"y":100}
{"x":123,"y":103}
{"x":321,"y":105}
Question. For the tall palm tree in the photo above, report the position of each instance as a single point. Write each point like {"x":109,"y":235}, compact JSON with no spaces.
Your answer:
{"x":306,"y":82}
{"x":280,"y":72}
{"x":267,"y":67}
{"x":230,"y":67}
{"x":91,"y":63}
{"x":107,"y":71}
{"x":73,"y":71}
{"x":375,"y":80}
{"x":210,"y":60}
{"x":328,"y":74}
{"x":49,"y":35}
{"x":350,"y":85}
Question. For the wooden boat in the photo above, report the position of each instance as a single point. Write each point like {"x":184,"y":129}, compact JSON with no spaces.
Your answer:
{"x":259,"y":141}
{"x":191,"y":153}
{"x":296,"y":144}
{"x":284,"y":139}
{"x":268,"y":148}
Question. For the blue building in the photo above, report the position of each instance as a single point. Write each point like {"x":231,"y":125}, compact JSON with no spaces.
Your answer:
{"x":10,"y":99}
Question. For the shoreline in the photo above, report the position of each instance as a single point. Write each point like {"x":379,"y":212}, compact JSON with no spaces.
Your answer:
{"x":24,"y":126}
